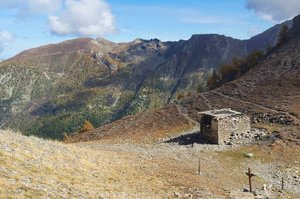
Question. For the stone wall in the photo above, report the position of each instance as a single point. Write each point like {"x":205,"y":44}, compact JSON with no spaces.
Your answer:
{"x":219,"y":130}
{"x":230,"y":125}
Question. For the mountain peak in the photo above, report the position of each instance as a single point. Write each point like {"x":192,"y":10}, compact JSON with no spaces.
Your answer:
{"x":295,"y":30}
{"x":104,"y":41}
{"x":79,"y":44}
{"x":138,"y":41}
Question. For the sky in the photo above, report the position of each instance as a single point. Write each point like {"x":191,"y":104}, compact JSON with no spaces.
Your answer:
{"x":25,"y":24}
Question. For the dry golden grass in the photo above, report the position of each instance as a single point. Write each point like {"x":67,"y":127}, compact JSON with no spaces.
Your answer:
{"x":35,"y":168}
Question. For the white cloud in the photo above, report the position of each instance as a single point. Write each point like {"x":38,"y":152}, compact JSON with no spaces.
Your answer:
{"x":274,"y":10}
{"x":83,"y":18}
{"x":29,"y":7}
{"x":44,"y":6}
{"x":68,"y":17}
{"x":5,"y":38}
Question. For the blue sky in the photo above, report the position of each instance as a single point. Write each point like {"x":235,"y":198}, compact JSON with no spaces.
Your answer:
{"x":30,"y":23}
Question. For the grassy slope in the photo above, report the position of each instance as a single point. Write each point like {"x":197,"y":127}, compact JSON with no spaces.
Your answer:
{"x":146,"y":127}
{"x":35,"y":168}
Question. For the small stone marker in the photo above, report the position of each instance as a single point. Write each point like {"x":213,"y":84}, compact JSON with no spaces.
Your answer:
{"x":249,"y":155}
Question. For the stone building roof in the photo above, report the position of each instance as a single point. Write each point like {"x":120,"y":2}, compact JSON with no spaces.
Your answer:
{"x":221,"y":113}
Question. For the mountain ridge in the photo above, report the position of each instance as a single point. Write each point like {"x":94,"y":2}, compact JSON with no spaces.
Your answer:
{"x":269,"y":94}
{"x":61,"y":89}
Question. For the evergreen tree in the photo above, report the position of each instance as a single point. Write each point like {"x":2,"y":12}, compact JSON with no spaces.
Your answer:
{"x":213,"y":81}
{"x":283,"y":34}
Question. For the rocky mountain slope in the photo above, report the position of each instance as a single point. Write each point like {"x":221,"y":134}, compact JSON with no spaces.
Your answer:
{"x":269,"y":94}
{"x":53,"y":89}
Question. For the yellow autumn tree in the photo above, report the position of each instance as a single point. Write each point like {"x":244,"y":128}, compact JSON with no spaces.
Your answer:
{"x":87,"y":126}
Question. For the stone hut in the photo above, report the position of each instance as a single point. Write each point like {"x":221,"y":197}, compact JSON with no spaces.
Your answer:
{"x":217,"y":126}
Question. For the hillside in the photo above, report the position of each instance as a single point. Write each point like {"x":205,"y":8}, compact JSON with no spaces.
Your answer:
{"x":269,"y":94}
{"x":53,"y":89}
{"x":143,"y":128}
{"x":34,"y":168}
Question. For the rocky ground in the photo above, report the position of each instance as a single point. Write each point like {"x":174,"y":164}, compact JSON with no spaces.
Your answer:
{"x":35,"y":168}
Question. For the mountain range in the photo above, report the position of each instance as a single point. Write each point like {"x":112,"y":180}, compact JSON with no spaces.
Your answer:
{"x":269,"y":94}
{"x":51,"y":90}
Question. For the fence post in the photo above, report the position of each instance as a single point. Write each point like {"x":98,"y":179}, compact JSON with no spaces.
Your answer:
{"x":199,"y":167}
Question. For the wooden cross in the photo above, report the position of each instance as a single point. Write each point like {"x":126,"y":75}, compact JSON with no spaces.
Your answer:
{"x":250,"y":175}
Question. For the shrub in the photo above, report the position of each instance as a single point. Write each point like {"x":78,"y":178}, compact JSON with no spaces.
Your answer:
{"x":87,"y":126}
{"x":180,"y":96}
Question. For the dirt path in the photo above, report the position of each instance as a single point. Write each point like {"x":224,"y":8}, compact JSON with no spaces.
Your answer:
{"x":257,"y":105}
{"x":187,"y":116}
{"x":206,"y":101}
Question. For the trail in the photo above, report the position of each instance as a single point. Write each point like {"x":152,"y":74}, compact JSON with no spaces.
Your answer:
{"x":206,"y":101}
{"x":190,"y":119}
{"x":257,"y":105}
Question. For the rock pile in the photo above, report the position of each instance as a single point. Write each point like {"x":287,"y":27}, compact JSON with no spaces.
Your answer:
{"x":278,"y":118}
{"x":244,"y":138}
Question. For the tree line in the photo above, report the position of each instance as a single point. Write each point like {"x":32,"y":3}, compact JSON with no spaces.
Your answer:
{"x":239,"y":66}
{"x":233,"y":70}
